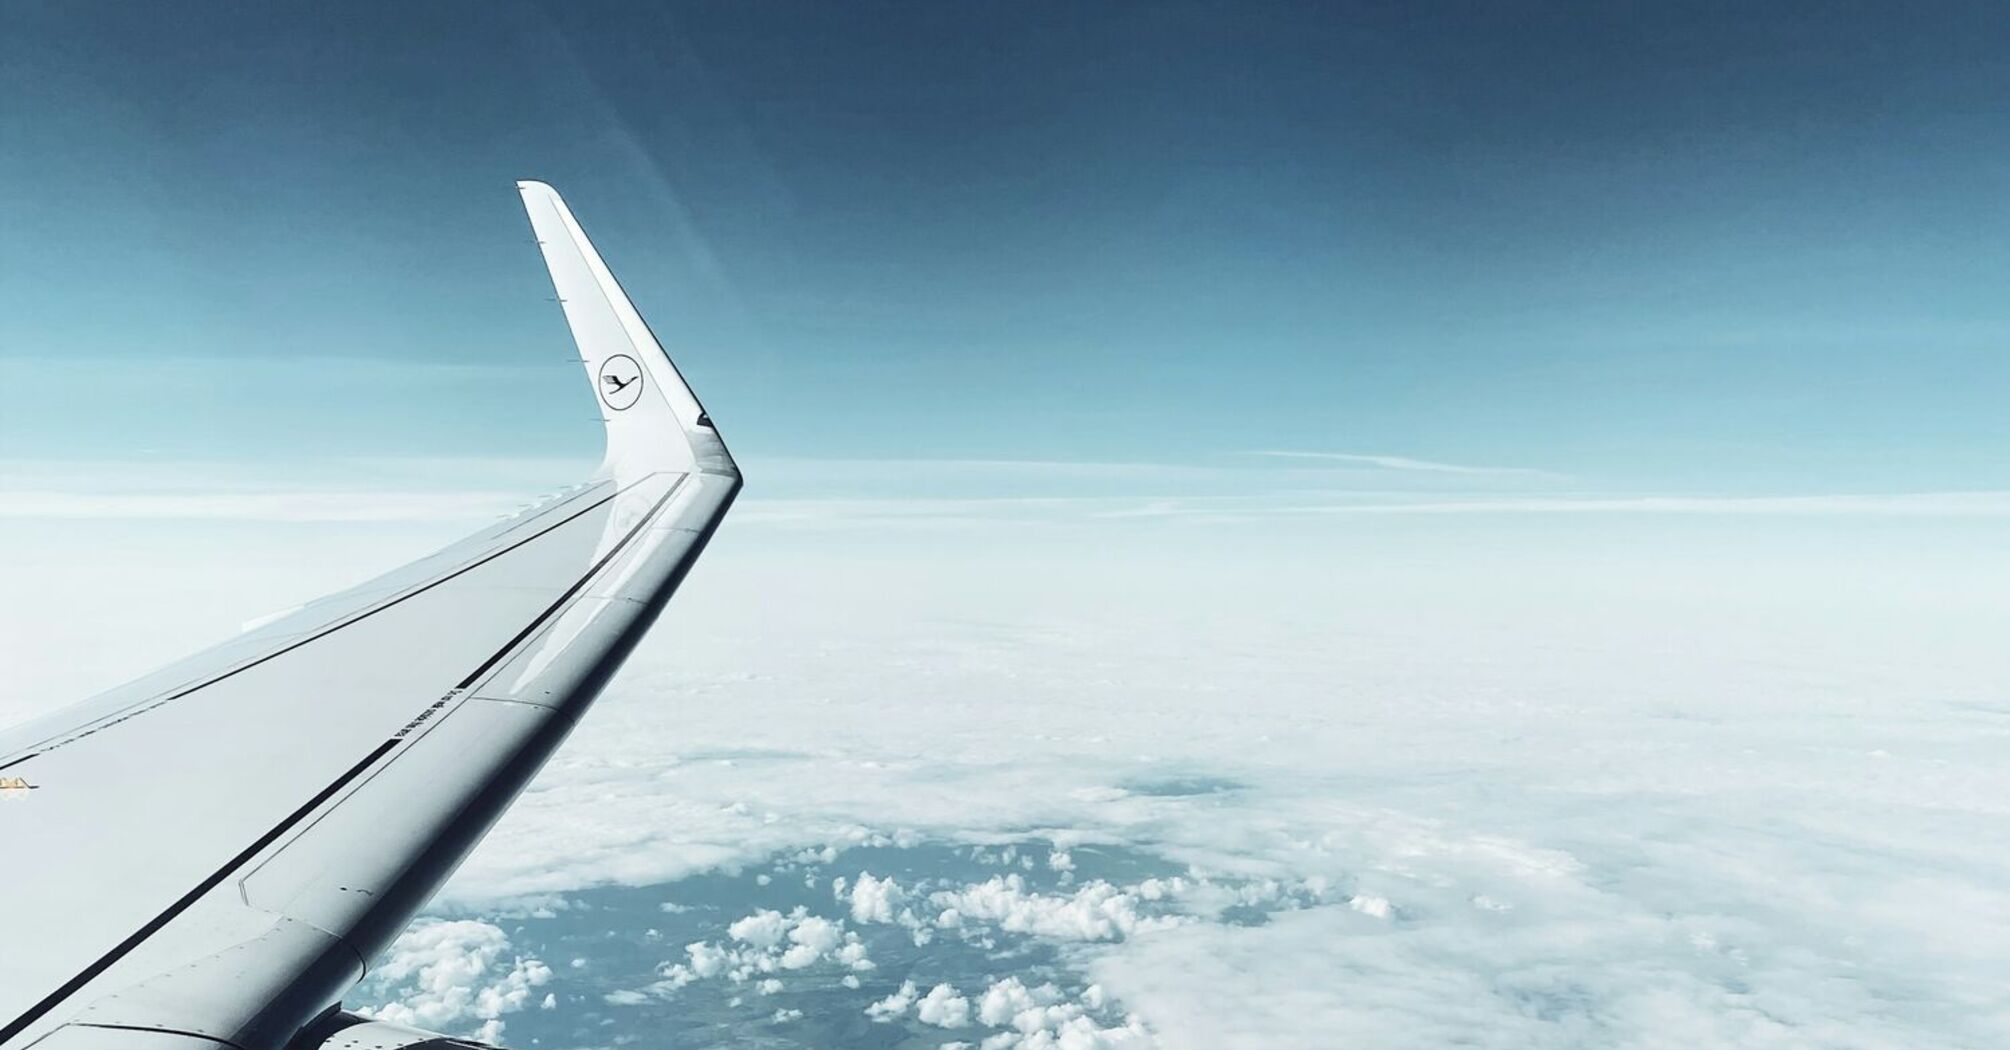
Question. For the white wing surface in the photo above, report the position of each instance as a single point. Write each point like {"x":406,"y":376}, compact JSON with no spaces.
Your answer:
{"x":210,"y":856}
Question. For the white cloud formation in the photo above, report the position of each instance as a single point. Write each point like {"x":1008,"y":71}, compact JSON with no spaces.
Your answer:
{"x":763,"y":929}
{"x":1900,"y":504}
{"x":1368,"y":904}
{"x":765,"y":943}
{"x":813,"y":938}
{"x":943,"y":1008}
{"x":1619,"y":780}
{"x":1044,"y":1018}
{"x":1098,"y":911}
{"x":1251,"y":511}
{"x":895,"y":1005}
{"x":874,"y":900}
{"x":441,"y":975}
{"x":1408,"y":463}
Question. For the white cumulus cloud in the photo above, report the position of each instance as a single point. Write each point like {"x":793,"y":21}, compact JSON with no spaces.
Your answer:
{"x":943,"y":1008}
{"x":445,"y":974}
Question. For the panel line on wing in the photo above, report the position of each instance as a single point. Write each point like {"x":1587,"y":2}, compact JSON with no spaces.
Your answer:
{"x":570,"y":592}
{"x":419,"y":727}
{"x":139,"y":936}
{"x":157,"y":1031}
{"x":143,"y":706}
{"x":218,"y":877}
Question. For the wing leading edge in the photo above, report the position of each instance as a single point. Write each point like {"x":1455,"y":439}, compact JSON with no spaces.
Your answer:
{"x":208,"y":857}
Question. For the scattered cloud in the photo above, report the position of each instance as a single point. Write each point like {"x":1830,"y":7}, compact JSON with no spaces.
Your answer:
{"x":1405,"y":463}
{"x":453,"y":977}
{"x":952,"y":514}
{"x":943,"y":1008}
{"x":1041,"y":1017}
{"x":759,"y":948}
{"x":1908,"y":504}
{"x":894,"y":1006}
{"x":1097,"y":911}
{"x":874,"y":900}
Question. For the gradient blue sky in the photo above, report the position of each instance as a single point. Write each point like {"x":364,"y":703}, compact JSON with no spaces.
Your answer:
{"x":1728,"y":248}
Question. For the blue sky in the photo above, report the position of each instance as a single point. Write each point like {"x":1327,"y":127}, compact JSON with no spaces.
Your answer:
{"x":1687,"y":248}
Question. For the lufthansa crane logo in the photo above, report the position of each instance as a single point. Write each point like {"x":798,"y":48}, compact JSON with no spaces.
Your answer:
{"x":620,"y":382}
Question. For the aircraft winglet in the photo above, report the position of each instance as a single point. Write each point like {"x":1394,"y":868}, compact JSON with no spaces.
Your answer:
{"x":654,"y":421}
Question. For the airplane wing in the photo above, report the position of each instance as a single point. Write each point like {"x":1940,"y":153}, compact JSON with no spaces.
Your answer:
{"x":209,"y":857}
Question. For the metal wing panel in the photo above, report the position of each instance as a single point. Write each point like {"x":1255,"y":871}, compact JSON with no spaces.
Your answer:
{"x":135,"y":814}
{"x":282,"y":632}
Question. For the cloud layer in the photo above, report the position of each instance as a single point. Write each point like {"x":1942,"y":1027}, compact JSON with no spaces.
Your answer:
{"x":1594,"y":782}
